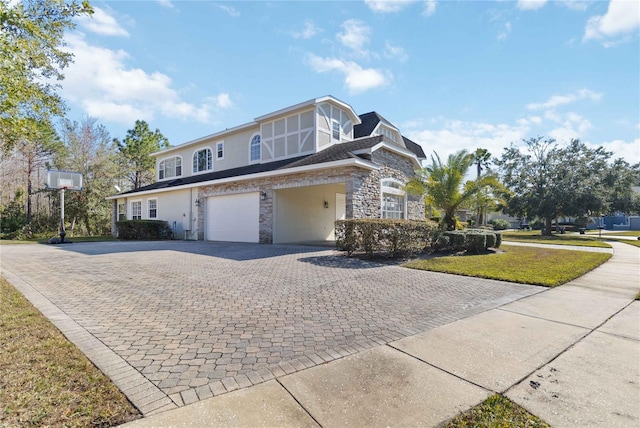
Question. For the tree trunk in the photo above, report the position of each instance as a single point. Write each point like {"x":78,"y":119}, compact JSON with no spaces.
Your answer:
{"x":29,"y":188}
{"x":547,"y":227}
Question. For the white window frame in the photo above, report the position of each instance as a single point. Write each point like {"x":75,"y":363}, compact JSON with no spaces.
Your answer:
{"x":333,"y":130}
{"x":395,"y":189}
{"x":131,"y":204}
{"x":251,"y":160}
{"x":122,"y":211}
{"x":149,"y":208}
{"x":162,"y":167}
{"x":220,"y":148}
{"x":194,"y":163}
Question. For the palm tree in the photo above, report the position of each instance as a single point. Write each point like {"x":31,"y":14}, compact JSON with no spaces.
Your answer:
{"x":441,"y":184}
{"x":482,"y":159}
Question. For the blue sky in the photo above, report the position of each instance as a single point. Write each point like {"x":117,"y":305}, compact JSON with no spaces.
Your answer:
{"x":449,"y":74}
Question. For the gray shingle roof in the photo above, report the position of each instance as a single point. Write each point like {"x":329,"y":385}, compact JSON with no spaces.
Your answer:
{"x":370,"y":121}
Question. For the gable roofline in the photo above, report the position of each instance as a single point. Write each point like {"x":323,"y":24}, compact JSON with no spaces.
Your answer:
{"x":392,"y":148}
{"x":311,"y":103}
{"x":357,"y":162}
{"x":217,"y":135}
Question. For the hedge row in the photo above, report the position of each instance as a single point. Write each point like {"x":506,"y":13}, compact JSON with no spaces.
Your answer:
{"x":143,"y":229}
{"x":393,"y":237}
{"x":470,"y":240}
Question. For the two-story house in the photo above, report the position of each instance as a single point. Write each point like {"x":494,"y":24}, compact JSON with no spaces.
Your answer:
{"x":284,"y":177}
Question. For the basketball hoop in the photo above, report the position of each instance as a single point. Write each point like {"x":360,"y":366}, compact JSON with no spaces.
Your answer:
{"x":63,"y":180}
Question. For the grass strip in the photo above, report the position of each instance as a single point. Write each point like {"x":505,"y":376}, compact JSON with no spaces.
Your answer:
{"x":535,"y":237}
{"x":526,"y":265}
{"x":496,"y":412}
{"x":44,"y":379}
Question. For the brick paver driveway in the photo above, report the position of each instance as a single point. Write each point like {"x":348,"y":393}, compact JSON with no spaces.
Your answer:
{"x":197,"y":319}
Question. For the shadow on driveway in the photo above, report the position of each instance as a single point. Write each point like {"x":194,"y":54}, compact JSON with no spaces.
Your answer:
{"x":237,"y":251}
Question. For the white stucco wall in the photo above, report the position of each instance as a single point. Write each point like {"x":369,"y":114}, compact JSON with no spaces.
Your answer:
{"x":300,"y":214}
{"x":175,"y":207}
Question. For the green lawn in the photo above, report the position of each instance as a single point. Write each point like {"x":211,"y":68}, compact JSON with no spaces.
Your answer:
{"x":496,"y":412}
{"x":534,"y":237}
{"x":47,"y":381}
{"x":526,"y":265}
{"x":617,"y":233}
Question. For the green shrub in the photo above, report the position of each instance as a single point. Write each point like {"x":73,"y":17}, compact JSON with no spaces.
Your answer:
{"x":498,"y":240}
{"x":441,"y":243}
{"x":476,"y":242}
{"x":143,"y":230}
{"x":500,"y":224}
{"x":457,"y":239}
{"x":390,"y":237}
{"x":491,"y":240}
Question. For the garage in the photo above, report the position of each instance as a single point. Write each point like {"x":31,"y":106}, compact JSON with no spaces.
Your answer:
{"x":233,"y":218}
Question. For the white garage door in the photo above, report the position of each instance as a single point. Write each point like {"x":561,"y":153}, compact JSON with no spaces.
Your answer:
{"x":233,"y":218}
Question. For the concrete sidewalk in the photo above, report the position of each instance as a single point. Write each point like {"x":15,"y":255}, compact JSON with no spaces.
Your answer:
{"x":569,"y":355}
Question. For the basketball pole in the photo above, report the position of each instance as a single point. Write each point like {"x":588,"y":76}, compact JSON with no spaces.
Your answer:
{"x":62,"y":231}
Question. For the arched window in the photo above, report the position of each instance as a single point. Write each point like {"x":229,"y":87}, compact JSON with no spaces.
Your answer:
{"x":171,"y":167}
{"x":394,"y":199}
{"x":202,"y":160}
{"x":255,"y":148}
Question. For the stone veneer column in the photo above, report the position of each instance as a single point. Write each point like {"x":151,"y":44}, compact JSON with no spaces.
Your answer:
{"x":266,"y":217}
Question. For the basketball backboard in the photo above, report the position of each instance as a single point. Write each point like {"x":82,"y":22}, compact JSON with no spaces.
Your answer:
{"x":64,"y":180}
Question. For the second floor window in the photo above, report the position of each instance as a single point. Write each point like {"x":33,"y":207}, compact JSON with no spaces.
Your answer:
{"x":171,"y":167}
{"x":255,"y":148}
{"x":202,"y":160}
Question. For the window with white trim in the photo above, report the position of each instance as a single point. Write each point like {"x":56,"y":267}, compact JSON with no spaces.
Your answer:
{"x":394,"y":199}
{"x":122,"y":211}
{"x":202,"y":160}
{"x":136,"y":210}
{"x":335,"y":131}
{"x":255,"y":148}
{"x":152,"y":205}
{"x":171,"y":167}
{"x":388,"y":133}
{"x":220,"y":150}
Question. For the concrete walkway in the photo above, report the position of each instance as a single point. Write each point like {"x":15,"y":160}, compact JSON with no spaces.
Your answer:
{"x":570,"y":355}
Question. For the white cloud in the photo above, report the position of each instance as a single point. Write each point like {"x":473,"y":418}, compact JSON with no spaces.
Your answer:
{"x":531,"y":4}
{"x":558,"y":100}
{"x":355,"y":35}
{"x":309,"y":30}
{"x":502,"y":35}
{"x":223,"y":101}
{"x":101,"y":23}
{"x":580,"y":5}
{"x":429,"y":7}
{"x":628,"y":150}
{"x":230,"y":10}
{"x":356,"y":78}
{"x":573,"y":126}
{"x":622,"y":18}
{"x":395,"y":52}
{"x":107,"y":88}
{"x":450,"y":136}
{"x":166,"y":3}
{"x":388,"y":6}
